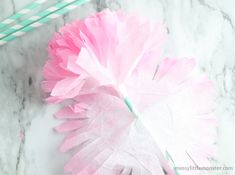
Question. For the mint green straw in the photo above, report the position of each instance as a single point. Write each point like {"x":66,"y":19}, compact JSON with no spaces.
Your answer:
{"x":39,"y":22}
{"x":35,"y":18}
{"x":26,"y":10}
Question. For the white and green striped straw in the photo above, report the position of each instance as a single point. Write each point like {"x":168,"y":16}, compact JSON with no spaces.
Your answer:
{"x":42,"y":21}
{"x":35,"y":18}
{"x":26,"y":10}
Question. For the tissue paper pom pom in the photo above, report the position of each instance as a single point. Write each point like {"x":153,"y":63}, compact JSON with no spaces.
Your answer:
{"x":120,"y":43}
{"x":109,"y":66}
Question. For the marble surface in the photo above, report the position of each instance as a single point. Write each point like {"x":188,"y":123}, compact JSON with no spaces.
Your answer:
{"x":204,"y":29}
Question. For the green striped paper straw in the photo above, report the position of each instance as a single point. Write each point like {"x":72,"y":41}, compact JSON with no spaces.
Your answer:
{"x":35,"y":18}
{"x":26,"y":10}
{"x":42,"y":21}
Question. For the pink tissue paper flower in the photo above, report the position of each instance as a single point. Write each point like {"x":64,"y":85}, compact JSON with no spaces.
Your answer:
{"x":127,"y":110}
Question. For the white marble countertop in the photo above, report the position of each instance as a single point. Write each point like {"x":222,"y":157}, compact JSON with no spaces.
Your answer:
{"x":204,"y":29}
